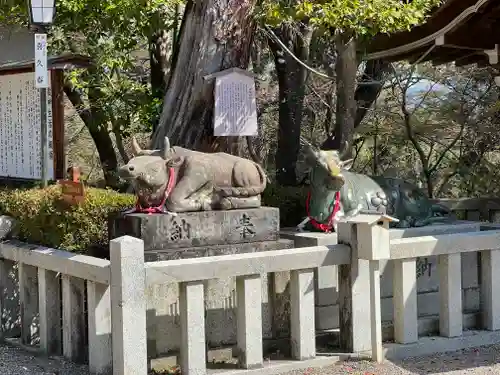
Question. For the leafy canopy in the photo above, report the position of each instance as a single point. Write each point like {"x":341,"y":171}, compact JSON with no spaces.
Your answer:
{"x":358,"y":17}
{"x":116,"y":34}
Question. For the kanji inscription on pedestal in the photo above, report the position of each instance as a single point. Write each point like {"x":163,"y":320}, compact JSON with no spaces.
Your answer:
{"x":235,"y":111}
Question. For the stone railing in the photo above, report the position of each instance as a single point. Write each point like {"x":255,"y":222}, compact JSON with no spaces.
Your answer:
{"x":52,"y":285}
{"x":116,"y":336}
{"x":117,"y":301}
{"x":192,"y":274}
{"x":449,"y":248}
{"x":475,"y":209}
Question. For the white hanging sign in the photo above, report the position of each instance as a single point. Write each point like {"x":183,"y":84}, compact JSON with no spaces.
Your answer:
{"x":235,"y":111}
{"x":41,"y":69}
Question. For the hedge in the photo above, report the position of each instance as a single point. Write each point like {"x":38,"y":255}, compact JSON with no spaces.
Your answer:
{"x":43,"y":218}
{"x":291,"y":201}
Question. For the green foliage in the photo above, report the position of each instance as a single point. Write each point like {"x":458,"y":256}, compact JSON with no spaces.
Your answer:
{"x":291,"y":200}
{"x":448,"y":141}
{"x":43,"y":218}
{"x":356,"y":17}
{"x":115,"y":33}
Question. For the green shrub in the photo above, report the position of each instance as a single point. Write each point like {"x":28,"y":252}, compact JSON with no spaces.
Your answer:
{"x":291,"y":200}
{"x":43,"y":218}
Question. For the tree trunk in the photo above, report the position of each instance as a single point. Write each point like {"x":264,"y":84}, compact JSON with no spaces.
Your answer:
{"x":215,"y":35}
{"x":346,"y":70}
{"x":96,"y":123}
{"x":369,"y":87}
{"x":291,"y":80}
{"x":367,"y":91}
{"x":158,"y":60}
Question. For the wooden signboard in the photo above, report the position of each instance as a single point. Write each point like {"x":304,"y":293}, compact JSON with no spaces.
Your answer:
{"x":73,"y":191}
{"x":235,"y":112}
{"x":20,"y":133}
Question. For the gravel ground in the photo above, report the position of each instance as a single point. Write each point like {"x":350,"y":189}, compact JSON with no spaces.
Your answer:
{"x":15,"y":361}
{"x":482,"y":361}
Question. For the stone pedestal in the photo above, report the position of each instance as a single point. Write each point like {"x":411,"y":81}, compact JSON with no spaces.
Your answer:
{"x":197,"y":229}
{"x":326,"y":279}
{"x":201,"y":234}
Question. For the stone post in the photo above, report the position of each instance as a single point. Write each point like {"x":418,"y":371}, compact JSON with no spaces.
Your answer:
{"x":128,"y":306}
{"x":302,"y":314}
{"x":354,"y":283}
{"x":73,"y":318}
{"x":249,"y":320}
{"x":28,"y":297}
{"x":49,"y":302}
{"x":490,"y":295}
{"x":450,"y":290}
{"x":99,"y":316}
{"x":368,"y":237}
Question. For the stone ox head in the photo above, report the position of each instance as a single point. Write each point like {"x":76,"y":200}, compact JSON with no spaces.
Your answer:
{"x":148,"y":172}
{"x":326,"y":167}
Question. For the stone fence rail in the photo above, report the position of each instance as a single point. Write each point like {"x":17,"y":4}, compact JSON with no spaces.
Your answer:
{"x":116,"y":307}
{"x":51,"y":285}
{"x":475,"y":209}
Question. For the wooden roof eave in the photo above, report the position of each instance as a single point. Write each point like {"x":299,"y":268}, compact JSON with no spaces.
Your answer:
{"x":433,"y":38}
{"x":60,"y":62}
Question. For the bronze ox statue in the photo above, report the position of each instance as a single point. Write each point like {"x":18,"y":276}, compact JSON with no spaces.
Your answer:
{"x":336,"y":192}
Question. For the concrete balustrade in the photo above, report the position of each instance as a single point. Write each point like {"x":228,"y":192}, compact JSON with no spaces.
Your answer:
{"x":115,"y":292}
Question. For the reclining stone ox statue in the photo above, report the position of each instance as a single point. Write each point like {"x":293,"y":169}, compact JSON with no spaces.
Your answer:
{"x":336,"y":193}
{"x":176,"y":179}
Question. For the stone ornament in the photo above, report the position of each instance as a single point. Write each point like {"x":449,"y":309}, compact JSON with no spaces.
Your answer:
{"x":176,"y":179}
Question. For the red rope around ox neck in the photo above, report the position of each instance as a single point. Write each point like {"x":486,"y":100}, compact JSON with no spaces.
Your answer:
{"x":331,"y":218}
{"x":161,"y":208}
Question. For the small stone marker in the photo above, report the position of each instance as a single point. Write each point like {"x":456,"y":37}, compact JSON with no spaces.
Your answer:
{"x":235,"y":113}
{"x":373,"y":235}
{"x":73,"y":191}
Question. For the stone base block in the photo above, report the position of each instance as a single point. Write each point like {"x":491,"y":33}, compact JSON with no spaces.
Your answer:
{"x":215,"y":250}
{"x":195,"y":229}
{"x":304,"y":239}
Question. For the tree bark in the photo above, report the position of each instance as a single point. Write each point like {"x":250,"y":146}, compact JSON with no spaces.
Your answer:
{"x":292,"y":78}
{"x":95,"y":121}
{"x":215,"y":35}
{"x":159,"y":63}
{"x":367,"y":91}
{"x":346,"y":71}
{"x":369,"y":87}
